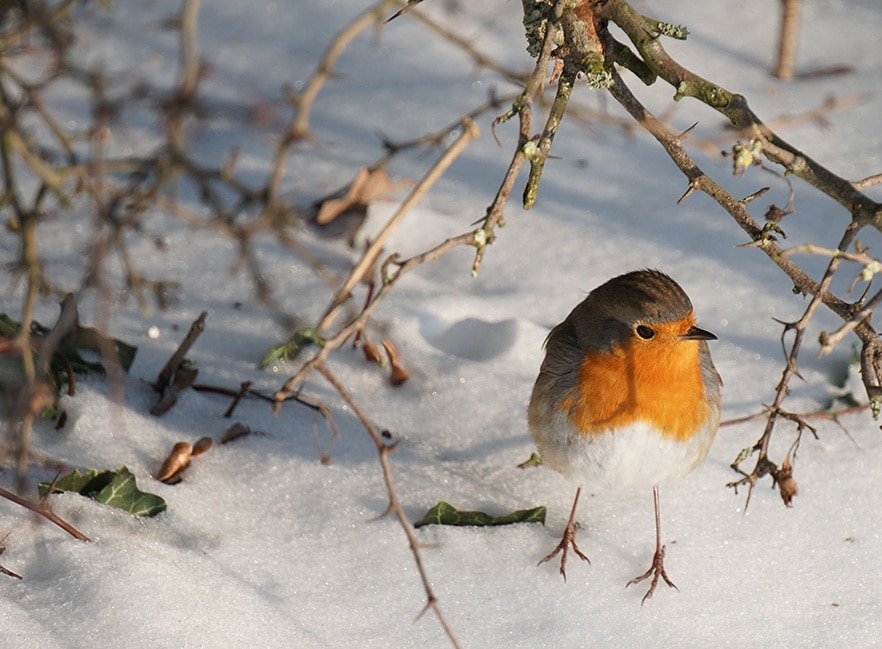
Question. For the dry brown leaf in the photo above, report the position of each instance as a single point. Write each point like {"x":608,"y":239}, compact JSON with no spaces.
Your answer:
{"x":787,"y":486}
{"x":40,"y":397}
{"x":184,"y":378}
{"x":202,"y":445}
{"x":236,"y":430}
{"x":371,"y":351}
{"x":177,"y":461}
{"x":367,"y":186}
{"x":398,"y":375}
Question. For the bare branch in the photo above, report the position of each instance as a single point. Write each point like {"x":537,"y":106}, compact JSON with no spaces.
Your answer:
{"x":788,"y":39}
{"x":369,"y":258}
{"x":45,"y":512}
{"x":395,"y":508}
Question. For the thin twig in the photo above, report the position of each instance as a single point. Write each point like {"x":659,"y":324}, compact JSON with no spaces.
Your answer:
{"x":174,"y":362}
{"x":788,"y":39}
{"x":299,"y":127}
{"x":394,"y":508}
{"x":45,"y":512}
{"x":829,"y":341}
{"x":189,"y":48}
{"x":243,"y":389}
{"x":468,"y":133}
{"x":641,"y":31}
{"x":866,"y":183}
{"x":791,"y":368}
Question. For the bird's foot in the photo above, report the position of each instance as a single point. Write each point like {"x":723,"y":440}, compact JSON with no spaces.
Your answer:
{"x":569,"y":539}
{"x":656,"y":570}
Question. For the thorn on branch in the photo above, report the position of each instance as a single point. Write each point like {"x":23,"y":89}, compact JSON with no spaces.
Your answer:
{"x":754,"y":196}
{"x":682,"y":136}
{"x":689,"y":191}
{"x":405,"y":9}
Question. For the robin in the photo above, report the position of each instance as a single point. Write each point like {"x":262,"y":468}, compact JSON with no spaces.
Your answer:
{"x":627,"y":395}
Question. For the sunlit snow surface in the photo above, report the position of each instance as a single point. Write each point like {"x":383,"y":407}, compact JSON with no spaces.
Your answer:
{"x":262,"y":545}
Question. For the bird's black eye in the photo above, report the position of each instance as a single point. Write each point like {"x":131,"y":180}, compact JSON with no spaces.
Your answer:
{"x":645,"y":332}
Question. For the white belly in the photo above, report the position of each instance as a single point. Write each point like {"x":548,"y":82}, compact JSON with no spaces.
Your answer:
{"x":635,"y":456}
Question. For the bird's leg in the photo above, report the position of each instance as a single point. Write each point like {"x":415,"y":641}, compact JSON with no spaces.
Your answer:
{"x":569,"y":539}
{"x":657,"y":569}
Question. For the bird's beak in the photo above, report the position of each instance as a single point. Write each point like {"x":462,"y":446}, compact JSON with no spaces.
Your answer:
{"x":695,"y":333}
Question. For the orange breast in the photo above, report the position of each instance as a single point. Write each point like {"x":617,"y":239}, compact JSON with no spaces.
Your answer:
{"x":657,"y":381}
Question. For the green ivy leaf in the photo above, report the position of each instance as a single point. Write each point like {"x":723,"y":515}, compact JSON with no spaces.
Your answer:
{"x":291,"y":347}
{"x":534,"y":460}
{"x":82,"y":483}
{"x":446,"y":514}
{"x":125,"y":353}
{"x":82,"y":338}
{"x":115,"y":488}
{"x":123,"y":492}
{"x":8,"y":326}
{"x":80,"y":365}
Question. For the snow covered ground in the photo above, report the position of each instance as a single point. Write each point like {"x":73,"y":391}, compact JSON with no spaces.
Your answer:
{"x":263,"y":545}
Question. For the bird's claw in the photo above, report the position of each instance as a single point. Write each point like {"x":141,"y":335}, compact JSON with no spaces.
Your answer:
{"x":568,"y":539}
{"x":656,"y":570}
